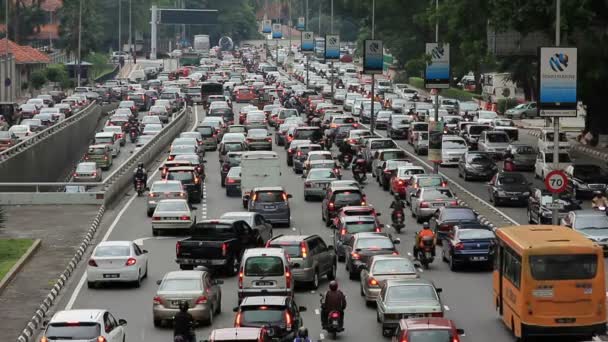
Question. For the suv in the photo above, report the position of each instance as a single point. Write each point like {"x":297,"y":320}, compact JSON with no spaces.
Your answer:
{"x":90,"y":324}
{"x":310,"y":257}
{"x":398,"y":126}
{"x":272,"y":203}
{"x":191,"y":182}
{"x":301,"y":154}
{"x":423,"y":329}
{"x":209,"y":136}
{"x":337,"y":198}
{"x":279,"y":315}
{"x":494,"y":142}
{"x":264,"y":272}
{"x":314,"y":134}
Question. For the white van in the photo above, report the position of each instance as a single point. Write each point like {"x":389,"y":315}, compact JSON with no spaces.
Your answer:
{"x":110,"y":139}
{"x":137,"y":76}
{"x":259,"y":169}
{"x":545,"y":140}
{"x":452,"y":148}
{"x":544,"y":163}
{"x":265,"y":272}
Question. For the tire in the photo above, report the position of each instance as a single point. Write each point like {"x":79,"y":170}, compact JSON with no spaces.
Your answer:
{"x":209,"y":321}
{"x":234,"y":267}
{"x":352,"y":275}
{"x":154,"y":232}
{"x":327,"y":222}
{"x":149,"y":212}
{"x":137,"y":283}
{"x":158,"y":323}
{"x":186,"y":267}
{"x":419,"y":219}
{"x":465,"y":177}
{"x":452,"y":264}
{"x":218,"y":309}
{"x":306,"y":198}
{"x":341,"y":258}
{"x":331,"y":275}
{"x":90,"y":284}
{"x":314,"y":284}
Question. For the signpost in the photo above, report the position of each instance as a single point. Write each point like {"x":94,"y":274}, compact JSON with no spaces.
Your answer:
{"x":307,"y":46}
{"x":276,"y":31}
{"x":373,"y":54}
{"x":332,"y":52}
{"x":556,"y":182}
{"x":437,"y":76}
{"x":301,"y":23}
{"x":266,"y":26}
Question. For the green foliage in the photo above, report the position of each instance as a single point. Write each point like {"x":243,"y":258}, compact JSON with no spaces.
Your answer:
{"x":56,"y":72}
{"x":38,"y":79}
{"x":416,"y":82}
{"x":11,"y":251}
{"x":504,"y":104}
{"x":92,"y":30}
{"x":100,"y":63}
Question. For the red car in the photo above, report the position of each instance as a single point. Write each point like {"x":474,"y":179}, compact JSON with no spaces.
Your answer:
{"x":427,"y":329}
{"x":244,"y":95}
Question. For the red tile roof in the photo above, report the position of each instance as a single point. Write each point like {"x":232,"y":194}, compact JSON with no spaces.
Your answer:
{"x":46,"y":5}
{"x":46,"y":32}
{"x":23,"y":54}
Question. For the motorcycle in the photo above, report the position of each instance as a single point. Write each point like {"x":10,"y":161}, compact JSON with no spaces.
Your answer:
{"x":133,"y":136}
{"x":425,"y":254}
{"x":333,"y":324}
{"x":360,"y":177}
{"x":346,"y":160}
{"x":398,"y":221}
{"x":140,"y":187}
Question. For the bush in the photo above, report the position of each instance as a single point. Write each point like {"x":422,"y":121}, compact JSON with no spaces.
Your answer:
{"x":504,"y":104}
{"x":37,"y":79}
{"x":56,"y":73}
{"x":416,"y":82}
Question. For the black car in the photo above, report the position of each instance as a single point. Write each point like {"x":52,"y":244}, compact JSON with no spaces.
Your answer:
{"x":509,"y":187}
{"x":585,"y":179}
{"x":537,"y":206}
{"x":468,"y":246}
{"x":314,"y":134}
{"x":190,"y":179}
{"x":476,"y":165}
{"x":225,"y":113}
{"x":362,"y":246}
{"x":232,"y":159}
{"x":279,"y":315}
{"x":445,"y":218}
{"x":341,"y":132}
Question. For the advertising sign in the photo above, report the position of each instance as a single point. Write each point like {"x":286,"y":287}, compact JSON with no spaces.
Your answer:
{"x":266,"y":26}
{"x":557,"y":81}
{"x":332,"y":46}
{"x":373,"y":54}
{"x":437,"y":73}
{"x":308,"y":42}
{"x":435,"y":140}
{"x":301,"y":23}
{"x":276,"y":31}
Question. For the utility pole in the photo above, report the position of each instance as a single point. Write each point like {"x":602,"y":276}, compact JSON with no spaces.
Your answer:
{"x":306,"y":15}
{"x":119,"y":25}
{"x":290,"y":25}
{"x":372,"y":116}
{"x":7,"y":59}
{"x":435,"y":164}
{"x":130,"y":41}
{"x":320,"y":2}
{"x":555,"y":214}
{"x":79,"y":41}
{"x":331,"y":67}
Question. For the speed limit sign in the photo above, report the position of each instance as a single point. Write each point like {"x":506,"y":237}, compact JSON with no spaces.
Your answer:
{"x":556,"y":181}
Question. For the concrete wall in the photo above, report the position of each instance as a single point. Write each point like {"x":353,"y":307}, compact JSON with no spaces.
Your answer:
{"x":13,"y":89}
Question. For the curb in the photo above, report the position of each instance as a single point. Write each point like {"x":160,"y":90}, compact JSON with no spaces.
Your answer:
{"x":4,"y":282}
{"x":37,"y":320}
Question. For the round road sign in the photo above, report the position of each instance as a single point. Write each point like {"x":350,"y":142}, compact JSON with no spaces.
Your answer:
{"x":556,"y":181}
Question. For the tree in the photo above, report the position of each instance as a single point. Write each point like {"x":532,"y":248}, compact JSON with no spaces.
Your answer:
{"x":37,"y":79}
{"x":92,"y":31}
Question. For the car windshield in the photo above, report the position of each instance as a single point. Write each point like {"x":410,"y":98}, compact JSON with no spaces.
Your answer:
{"x":430,"y":182}
{"x":498,"y":138}
{"x":269,"y":196}
{"x":406,"y":293}
{"x":393,"y":266}
{"x":261,"y":315}
{"x":360,"y":227}
{"x":476,"y":158}
{"x":321,"y":174}
{"x":388,"y":155}
{"x":514,"y":178}
{"x":112,"y":251}
{"x":269,"y":266}
{"x":172,"y":206}
{"x":166,"y":187}
{"x":477,"y":129}
{"x":454,"y":144}
{"x":348,"y":197}
{"x":473,"y":234}
{"x":180,"y":285}
{"x":591,"y":222}
{"x":308,"y":133}
{"x":487,"y":115}
{"x":183,"y":149}
{"x":86,"y":167}
{"x":257,"y":133}
{"x":525,"y":150}
{"x":96,"y":151}
{"x":104,"y":140}
{"x":461,"y":214}
{"x":563,"y":267}
{"x":409,"y":172}
{"x":234,"y":147}
{"x":205,"y":131}
{"x":563,"y":158}
{"x":73,"y":331}
{"x":431,"y":194}
{"x":380,"y":144}
{"x":588,"y":171}
{"x":180,"y":175}
{"x":430,"y":335}
{"x":320,"y":156}
{"x":374,"y":243}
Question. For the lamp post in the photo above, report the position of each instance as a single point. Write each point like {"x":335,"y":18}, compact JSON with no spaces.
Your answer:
{"x":555,"y":215}
{"x":372,"y":115}
{"x":130,"y":41}
{"x":435,"y":164}
{"x":119,"y":25}
{"x":6,"y":61}
{"x":79,"y":41}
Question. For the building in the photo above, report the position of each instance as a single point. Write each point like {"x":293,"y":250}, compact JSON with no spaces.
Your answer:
{"x":23,"y":60}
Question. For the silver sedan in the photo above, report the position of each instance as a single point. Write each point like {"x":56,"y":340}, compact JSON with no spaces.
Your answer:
{"x":172,"y":214}
{"x":381,"y":268}
{"x":317,"y":181}
{"x":164,"y":189}
{"x":427,"y":200}
{"x":87,"y":172}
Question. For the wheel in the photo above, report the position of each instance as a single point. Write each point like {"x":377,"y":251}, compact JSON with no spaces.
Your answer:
{"x":459,"y":173}
{"x":361,"y":291}
{"x":314,"y":284}
{"x":157,"y":323}
{"x":452,"y":264}
{"x":495,"y":200}
{"x":209,"y":320}
{"x":137,"y":283}
{"x":218,"y":309}
{"x":154,"y":232}
{"x":327,"y":222}
{"x":186,"y":267}
{"x":465,"y":177}
{"x":419,"y":219}
{"x":443,"y":258}
{"x":332,"y":274}
{"x":149,"y":212}
{"x":90,"y":284}
{"x":233,"y":268}
{"x":378,"y":317}
{"x":341,"y":258}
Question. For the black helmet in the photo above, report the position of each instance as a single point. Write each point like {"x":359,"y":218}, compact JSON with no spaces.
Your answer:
{"x":184,"y":306}
{"x":397,"y":197}
{"x":333,"y":285}
{"x":302,"y":332}
{"x":140,"y":165}
{"x":425,"y":225}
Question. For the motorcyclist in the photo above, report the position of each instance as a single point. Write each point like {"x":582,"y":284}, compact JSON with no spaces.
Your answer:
{"x":397,"y":206}
{"x":425,"y":232}
{"x":302,"y":335}
{"x":140,"y":175}
{"x":599,"y":200}
{"x":359,"y":164}
{"x":345,"y":149}
{"x":182,"y":324}
{"x":335,"y":300}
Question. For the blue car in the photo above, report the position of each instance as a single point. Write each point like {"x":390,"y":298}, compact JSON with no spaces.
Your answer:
{"x":469,"y":246}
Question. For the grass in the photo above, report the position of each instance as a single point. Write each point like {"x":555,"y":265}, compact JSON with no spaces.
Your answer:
{"x":10,"y":251}
{"x":454,"y":93}
{"x":106,"y":70}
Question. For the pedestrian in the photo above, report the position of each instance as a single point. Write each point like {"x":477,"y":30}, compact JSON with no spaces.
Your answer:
{"x":134,"y":57}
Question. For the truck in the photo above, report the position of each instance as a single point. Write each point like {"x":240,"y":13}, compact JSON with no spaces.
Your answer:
{"x":259,"y":169}
{"x":216,"y":244}
{"x":201,"y":43}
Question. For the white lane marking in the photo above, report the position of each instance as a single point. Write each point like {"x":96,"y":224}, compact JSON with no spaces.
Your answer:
{"x":317,"y":312}
{"x":321,"y":336}
{"x":447,"y":308}
{"x":78,"y":288}
{"x":420,"y":270}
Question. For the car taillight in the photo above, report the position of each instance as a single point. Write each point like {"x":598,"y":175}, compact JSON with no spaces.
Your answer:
{"x":237,"y":320}
{"x":269,"y":139}
{"x":254,"y":198}
{"x":444,"y":184}
{"x":156,"y":218}
{"x":201,"y":300}
{"x":230,"y":180}
{"x":459,"y":246}
{"x":400,"y":182}
{"x":363,"y":203}
{"x":197,"y":180}
{"x":378,"y":229}
{"x":92,"y":263}
{"x":424,"y":204}
{"x":241,"y":274}
{"x":453,"y":202}
{"x":156,"y":300}
{"x":372,"y":282}
{"x":224,"y":249}
{"x":331,"y":206}
{"x":171,"y":158}
{"x":152,"y":194}
{"x":131,"y":262}
{"x":307,"y":185}
{"x":437,"y":314}
{"x":75,"y":174}
{"x":184,"y":218}
{"x":284,"y":195}
{"x":445,"y":227}
{"x":290,"y":150}
{"x":355,"y":256}
{"x":178,"y":247}
{"x":94,"y":174}
{"x":288,"y":320}
{"x":395,"y":253}
{"x":101,"y":339}
{"x":287,"y":277}
{"x":303,"y":249}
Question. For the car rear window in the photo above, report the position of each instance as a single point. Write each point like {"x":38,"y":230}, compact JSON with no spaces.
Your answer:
{"x":97,"y":151}
{"x":376,"y":145}
{"x":206,"y":131}
{"x":393,"y":266}
{"x":563,"y":267}
{"x":410,"y":293}
{"x":360,"y":227}
{"x":429,"y":182}
{"x":307,"y":133}
{"x":86,"y":167}
{"x":166,"y":187}
{"x":258,"y":316}
{"x":112,"y":251}
{"x":180,"y":285}
{"x":375,"y":243}
{"x":180,"y":175}
{"x":292,"y":249}
{"x":270,"y":266}
{"x":435,"y":335}
{"x":74,"y":331}
{"x":459,"y":214}
{"x":393,"y":155}
{"x":269,"y":196}
{"x":100,"y":140}
{"x":475,"y":234}
{"x":172,"y":206}
{"x":348,"y":197}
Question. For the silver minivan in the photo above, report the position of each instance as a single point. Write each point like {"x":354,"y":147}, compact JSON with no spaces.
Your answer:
{"x":265,"y":272}
{"x":272,"y":203}
{"x":110,"y":139}
{"x":494,"y":142}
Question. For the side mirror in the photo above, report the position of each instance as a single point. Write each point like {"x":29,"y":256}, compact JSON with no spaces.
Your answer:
{"x":218,"y":282}
{"x":289,"y":196}
{"x":235,"y":309}
{"x":204,"y":161}
{"x":193,"y":208}
{"x":439,"y":290}
{"x":158,"y":282}
{"x":378,"y":214}
{"x":145,"y":251}
{"x":397,"y":241}
{"x":302,"y":308}
{"x":460,"y":331}
{"x":122,"y":322}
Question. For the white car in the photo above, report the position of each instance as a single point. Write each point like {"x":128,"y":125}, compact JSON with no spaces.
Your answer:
{"x":39,"y":103}
{"x":152,"y":129}
{"x":452,"y":148}
{"x":544,"y":163}
{"x":172,"y":214}
{"x":486,"y":117}
{"x":545,"y":141}
{"x":21,"y":131}
{"x":84,"y":325}
{"x":117,"y":261}
{"x":176,"y":53}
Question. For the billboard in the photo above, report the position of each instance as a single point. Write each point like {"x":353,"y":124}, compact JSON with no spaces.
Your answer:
{"x":435,"y":141}
{"x":266,"y":26}
{"x":187,"y":16}
{"x":557,"y":81}
{"x":308,"y":42}
{"x":437,"y":73}
{"x":276,"y":31}
{"x":373,"y":54}
{"x":301,"y":23}
{"x":332,"y":46}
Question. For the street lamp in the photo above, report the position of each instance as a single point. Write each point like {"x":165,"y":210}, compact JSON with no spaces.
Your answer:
{"x":372,"y":115}
{"x":79,"y":40}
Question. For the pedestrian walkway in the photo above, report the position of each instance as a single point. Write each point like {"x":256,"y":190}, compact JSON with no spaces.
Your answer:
{"x":126,"y":69}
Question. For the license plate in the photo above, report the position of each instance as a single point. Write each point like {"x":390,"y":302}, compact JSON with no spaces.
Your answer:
{"x":216,"y":262}
{"x":514,"y":198}
{"x":335,"y":323}
{"x":170,"y":218}
{"x":438,"y":204}
{"x":175,"y":302}
{"x":479,"y":258}
{"x":111,"y":275}
{"x":270,"y":207}
{"x":264,"y":283}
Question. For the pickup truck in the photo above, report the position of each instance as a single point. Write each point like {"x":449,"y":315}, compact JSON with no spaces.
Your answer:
{"x":217,"y":244}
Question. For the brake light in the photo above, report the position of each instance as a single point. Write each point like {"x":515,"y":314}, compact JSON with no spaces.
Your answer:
{"x":237,"y":320}
{"x":224,"y":249}
{"x":290,"y":150}
{"x":197,"y":180}
{"x":372,"y":282}
{"x":92,"y":263}
{"x":444,"y":227}
{"x":178,"y":247}
{"x":459,"y":246}
{"x":254,"y":198}
{"x":378,"y":229}
{"x":75,"y":174}
{"x":307,"y":185}
{"x":284,"y":197}
{"x":424,"y":204}
{"x":331,"y":206}
{"x":184,"y":218}
{"x":437,"y":314}
{"x":355,"y":256}
{"x":456,"y":338}
{"x":287,"y":321}
{"x":453,"y":202}
{"x":353,"y":141}
{"x":363,"y":204}
{"x":230,"y":180}
{"x":156,"y":218}
{"x":444,"y":184}
{"x":241,"y":278}
{"x":152,"y":194}
{"x":303,"y":249}
{"x":201,"y":300}
{"x":101,"y":339}
{"x":343,"y":231}
{"x":131,"y":262}
{"x":171,"y":157}
{"x":287,"y":277}
{"x":94,"y":174}
{"x":395,"y":253}
{"x":415,"y":186}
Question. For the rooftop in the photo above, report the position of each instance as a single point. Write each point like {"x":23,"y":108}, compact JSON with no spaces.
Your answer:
{"x":23,"y":54}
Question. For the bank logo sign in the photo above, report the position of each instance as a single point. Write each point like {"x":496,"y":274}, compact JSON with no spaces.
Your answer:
{"x":373,"y":54}
{"x":308,"y":42}
{"x":437,"y":73}
{"x":301,"y":23}
{"x":557,"y":81}
{"x":266,"y":26}
{"x":276,"y":31}
{"x":332,"y":46}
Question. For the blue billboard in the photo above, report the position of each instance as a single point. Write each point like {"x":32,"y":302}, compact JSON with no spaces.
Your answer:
{"x":266,"y":26}
{"x":332,"y":46}
{"x":557,"y":81}
{"x":373,"y":54}
{"x":301,"y":23}
{"x":437,"y":73}
{"x":308,"y":42}
{"x":276,"y":31}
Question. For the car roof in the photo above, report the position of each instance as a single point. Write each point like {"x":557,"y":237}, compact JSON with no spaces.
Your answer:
{"x":264,"y":300}
{"x":115,"y":243}
{"x":272,"y":251}
{"x":428,"y":323}
{"x":414,"y":281}
{"x":184,"y":274}
{"x":165,"y":181}
{"x":269,"y":188}
{"x":78,"y":315}
{"x":239,"y":214}
{"x":291,"y":238}
{"x":589,"y":213}
{"x":99,"y":146}
{"x":232,"y":334}
{"x":358,"y":218}
{"x":182,"y":168}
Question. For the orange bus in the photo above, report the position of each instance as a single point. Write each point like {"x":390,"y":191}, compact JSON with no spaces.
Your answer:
{"x":549,"y":281}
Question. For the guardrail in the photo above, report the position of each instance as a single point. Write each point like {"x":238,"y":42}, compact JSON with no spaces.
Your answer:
{"x":23,"y":145}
